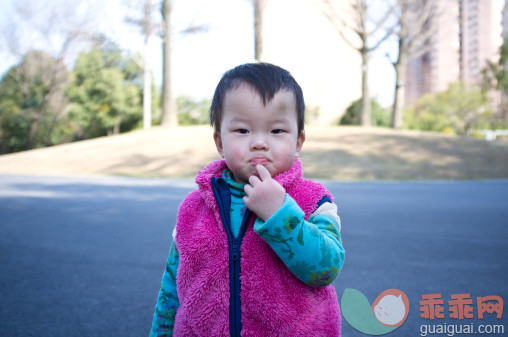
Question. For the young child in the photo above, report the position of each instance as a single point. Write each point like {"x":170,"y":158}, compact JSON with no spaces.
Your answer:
{"x":255,"y":246}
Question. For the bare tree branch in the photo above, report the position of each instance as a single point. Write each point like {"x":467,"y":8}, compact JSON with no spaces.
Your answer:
{"x":366,"y":42}
{"x":388,"y":33}
{"x":383,"y":21}
{"x":340,"y":29}
{"x":415,"y":31}
{"x":195,"y":29}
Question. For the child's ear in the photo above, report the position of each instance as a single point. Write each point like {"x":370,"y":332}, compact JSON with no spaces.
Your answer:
{"x":218,"y":143}
{"x":299,"y":143}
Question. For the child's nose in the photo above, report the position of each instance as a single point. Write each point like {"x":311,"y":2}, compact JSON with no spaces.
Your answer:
{"x":259,"y":143}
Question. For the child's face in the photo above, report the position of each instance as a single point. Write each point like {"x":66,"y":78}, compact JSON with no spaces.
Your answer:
{"x":252,"y":133}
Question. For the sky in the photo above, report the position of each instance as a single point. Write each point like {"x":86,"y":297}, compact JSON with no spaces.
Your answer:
{"x":198,"y":60}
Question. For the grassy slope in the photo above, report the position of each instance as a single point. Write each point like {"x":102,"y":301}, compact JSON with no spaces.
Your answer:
{"x":343,"y":153}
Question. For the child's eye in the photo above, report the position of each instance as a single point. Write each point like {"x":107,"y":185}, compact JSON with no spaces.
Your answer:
{"x":277,"y":131}
{"x":242,"y":131}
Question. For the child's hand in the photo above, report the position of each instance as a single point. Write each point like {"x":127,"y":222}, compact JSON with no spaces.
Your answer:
{"x":264,"y":196}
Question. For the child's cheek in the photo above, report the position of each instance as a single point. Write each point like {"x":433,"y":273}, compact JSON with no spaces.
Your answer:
{"x":285,"y":163}
{"x":235,"y":158}
{"x":237,"y":153}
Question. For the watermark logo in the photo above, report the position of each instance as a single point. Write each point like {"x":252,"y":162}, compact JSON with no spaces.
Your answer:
{"x":388,"y":311}
{"x":460,"y":306}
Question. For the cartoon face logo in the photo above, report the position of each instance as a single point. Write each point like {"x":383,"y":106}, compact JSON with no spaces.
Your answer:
{"x":391,"y":307}
{"x":387,"y":313}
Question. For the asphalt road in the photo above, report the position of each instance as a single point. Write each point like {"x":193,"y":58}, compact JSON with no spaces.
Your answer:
{"x":84,"y":256}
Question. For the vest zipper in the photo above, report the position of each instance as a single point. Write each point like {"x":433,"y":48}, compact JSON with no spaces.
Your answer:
{"x":223,"y":198}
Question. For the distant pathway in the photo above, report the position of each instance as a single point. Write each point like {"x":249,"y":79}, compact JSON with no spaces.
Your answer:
{"x":84,"y":256}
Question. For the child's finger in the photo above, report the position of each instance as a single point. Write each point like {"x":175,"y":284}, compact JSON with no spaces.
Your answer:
{"x":264,"y":174}
{"x":254,"y":181}
{"x":248,"y":189}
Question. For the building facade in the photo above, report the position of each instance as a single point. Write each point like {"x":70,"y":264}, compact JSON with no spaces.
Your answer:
{"x":467,"y":34}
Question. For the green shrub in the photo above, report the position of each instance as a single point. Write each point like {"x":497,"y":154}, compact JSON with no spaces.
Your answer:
{"x":425,"y":116}
{"x":459,"y":108}
{"x":311,"y":114}
{"x":192,"y":111}
{"x":379,"y":115}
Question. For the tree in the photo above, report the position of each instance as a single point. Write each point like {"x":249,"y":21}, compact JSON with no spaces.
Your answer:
{"x":32,"y":102}
{"x":258,"y":6}
{"x":146,"y":22}
{"x":104,"y":93}
{"x":169,"y":108}
{"x":42,"y":36}
{"x":364,"y":38}
{"x":413,"y":33}
{"x":495,"y":77}
{"x":169,"y":111}
{"x":55,"y":27}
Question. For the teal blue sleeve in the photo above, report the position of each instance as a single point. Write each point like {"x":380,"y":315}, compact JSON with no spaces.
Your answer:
{"x":167,"y":301}
{"x":312,"y":249}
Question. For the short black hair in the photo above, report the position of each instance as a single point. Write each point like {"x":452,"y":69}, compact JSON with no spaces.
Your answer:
{"x":267,"y":79}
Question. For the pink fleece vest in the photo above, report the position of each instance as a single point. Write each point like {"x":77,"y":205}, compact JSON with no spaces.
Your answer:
{"x":273,"y":301}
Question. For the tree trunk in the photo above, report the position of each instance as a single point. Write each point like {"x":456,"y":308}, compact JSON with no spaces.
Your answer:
{"x":169,"y":112}
{"x":31,"y":138}
{"x":147,"y":91}
{"x":258,"y":29}
{"x":116,"y":126}
{"x":365,"y":114}
{"x":400,"y":80}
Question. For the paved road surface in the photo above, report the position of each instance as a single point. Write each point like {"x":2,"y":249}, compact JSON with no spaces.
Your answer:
{"x":84,"y":256}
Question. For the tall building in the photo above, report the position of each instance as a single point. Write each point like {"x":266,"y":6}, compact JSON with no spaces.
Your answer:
{"x":481,"y":36}
{"x":440,"y":63}
{"x":466,"y":34}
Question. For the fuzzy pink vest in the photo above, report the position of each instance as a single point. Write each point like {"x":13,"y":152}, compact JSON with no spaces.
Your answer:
{"x":273,"y":301}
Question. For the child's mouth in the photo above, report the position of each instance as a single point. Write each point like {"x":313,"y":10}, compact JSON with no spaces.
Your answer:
{"x":259,"y":160}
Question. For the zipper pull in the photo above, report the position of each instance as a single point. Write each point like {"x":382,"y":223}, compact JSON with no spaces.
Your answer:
{"x":235,"y":256}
